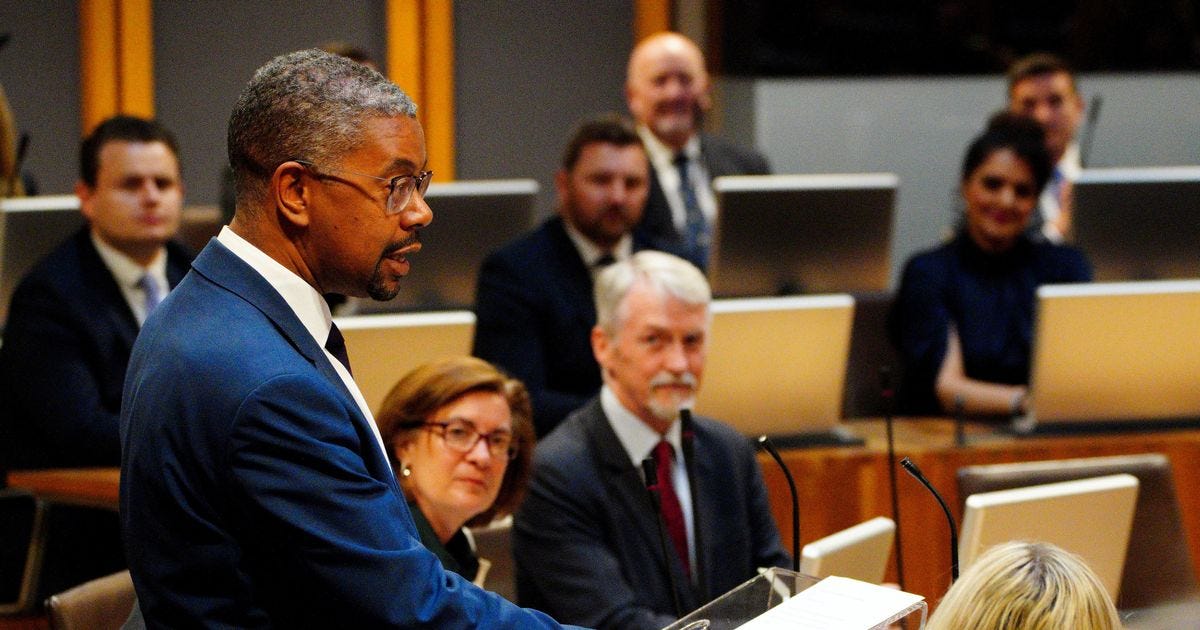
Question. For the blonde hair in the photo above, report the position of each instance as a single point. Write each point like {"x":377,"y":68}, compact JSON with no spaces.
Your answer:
{"x":1026,"y":586}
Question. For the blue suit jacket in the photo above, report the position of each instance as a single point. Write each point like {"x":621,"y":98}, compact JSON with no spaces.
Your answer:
{"x":62,"y":365}
{"x":534,"y":316}
{"x":720,"y":158}
{"x":586,"y":541}
{"x":253,"y":491}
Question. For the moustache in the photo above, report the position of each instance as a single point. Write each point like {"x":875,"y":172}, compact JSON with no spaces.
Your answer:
{"x":664,"y":379}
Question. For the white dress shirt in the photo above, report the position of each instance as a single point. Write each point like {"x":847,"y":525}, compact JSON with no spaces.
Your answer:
{"x":639,"y":440}
{"x":128,"y":275}
{"x":309,"y":306}
{"x":662,"y":158}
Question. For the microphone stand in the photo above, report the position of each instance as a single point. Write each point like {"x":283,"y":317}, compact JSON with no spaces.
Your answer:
{"x":960,"y":420}
{"x":650,"y":470}
{"x":916,"y":473}
{"x":688,"y":440}
{"x":889,"y":403}
{"x":766,"y":443}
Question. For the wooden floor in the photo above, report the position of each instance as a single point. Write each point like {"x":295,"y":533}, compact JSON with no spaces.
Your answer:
{"x":841,"y":487}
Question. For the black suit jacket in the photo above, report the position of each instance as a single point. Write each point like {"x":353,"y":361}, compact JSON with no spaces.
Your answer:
{"x":534,"y":315}
{"x":62,"y":364}
{"x":586,"y":540}
{"x":720,"y":158}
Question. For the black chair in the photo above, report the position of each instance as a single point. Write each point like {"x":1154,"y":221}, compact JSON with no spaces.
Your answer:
{"x":23,"y":530}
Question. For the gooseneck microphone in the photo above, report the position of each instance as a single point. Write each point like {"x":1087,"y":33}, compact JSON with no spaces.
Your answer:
{"x":916,"y":473}
{"x":688,"y":439}
{"x":770,"y":448}
{"x":1089,"y":130}
{"x":650,"y":470}
{"x":888,"y":395}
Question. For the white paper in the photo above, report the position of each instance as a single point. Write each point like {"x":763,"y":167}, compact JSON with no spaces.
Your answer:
{"x":836,"y":603}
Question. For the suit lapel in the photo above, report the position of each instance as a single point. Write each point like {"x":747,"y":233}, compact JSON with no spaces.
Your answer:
{"x":575,"y":277}
{"x":628,"y":491}
{"x":101,"y":292}
{"x":222,"y":267}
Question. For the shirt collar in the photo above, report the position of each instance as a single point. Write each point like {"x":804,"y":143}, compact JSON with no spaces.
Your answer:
{"x":309,"y":306}
{"x":635,"y":436}
{"x":662,"y":156}
{"x":125,"y":270}
{"x":1070,"y":165}
{"x":591,"y":253}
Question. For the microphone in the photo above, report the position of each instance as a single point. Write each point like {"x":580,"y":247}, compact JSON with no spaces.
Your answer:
{"x":650,"y":470}
{"x":766,"y":443}
{"x":888,"y":394}
{"x":688,"y":439}
{"x":916,"y":473}
{"x":1089,"y":129}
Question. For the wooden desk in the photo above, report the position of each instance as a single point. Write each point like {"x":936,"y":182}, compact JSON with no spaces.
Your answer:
{"x":92,"y":487}
{"x":841,"y":487}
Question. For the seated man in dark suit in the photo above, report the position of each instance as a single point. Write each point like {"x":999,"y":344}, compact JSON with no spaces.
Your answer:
{"x":74,"y":317}
{"x":586,"y":540}
{"x":667,"y":90}
{"x":534,"y":302}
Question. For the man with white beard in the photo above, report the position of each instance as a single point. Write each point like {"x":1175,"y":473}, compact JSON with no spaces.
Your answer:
{"x":586,"y":540}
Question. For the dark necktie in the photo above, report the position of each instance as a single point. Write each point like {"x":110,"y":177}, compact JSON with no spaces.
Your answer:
{"x":671,"y":511}
{"x":154,"y":294}
{"x":336,"y":345}
{"x":695,"y":225}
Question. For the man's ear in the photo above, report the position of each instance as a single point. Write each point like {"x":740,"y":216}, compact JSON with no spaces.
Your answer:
{"x":292,"y":193}
{"x":600,"y":343}
{"x":85,"y":194}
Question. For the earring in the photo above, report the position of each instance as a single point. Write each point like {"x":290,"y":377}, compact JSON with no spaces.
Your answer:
{"x":405,"y":471}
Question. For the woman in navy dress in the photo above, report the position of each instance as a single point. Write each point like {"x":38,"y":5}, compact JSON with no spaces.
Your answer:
{"x":964,"y":316}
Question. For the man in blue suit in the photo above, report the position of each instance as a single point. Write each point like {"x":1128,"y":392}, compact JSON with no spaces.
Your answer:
{"x":533,"y":306}
{"x":586,"y":539}
{"x":255,"y":491}
{"x":74,"y":317}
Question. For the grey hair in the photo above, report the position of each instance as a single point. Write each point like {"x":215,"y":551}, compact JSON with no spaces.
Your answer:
{"x":307,"y":104}
{"x":665,"y":273}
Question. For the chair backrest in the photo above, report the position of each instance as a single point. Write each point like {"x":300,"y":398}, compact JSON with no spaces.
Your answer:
{"x":493,"y":542}
{"x":23,"y":527}
{"x":1158,"y":564}
{"x":101,"y":604}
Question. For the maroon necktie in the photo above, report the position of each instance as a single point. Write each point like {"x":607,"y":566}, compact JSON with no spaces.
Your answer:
{"x":671,"y":512}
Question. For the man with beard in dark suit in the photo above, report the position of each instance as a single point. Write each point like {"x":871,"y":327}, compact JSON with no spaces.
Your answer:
{"x":534,"y":311}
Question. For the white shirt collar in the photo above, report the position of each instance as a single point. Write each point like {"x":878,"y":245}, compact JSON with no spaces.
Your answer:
{"x":636,"y":437}
{"x":663,"y":156}
{"x":1070,"y":165}
{"x":309,"y":306}
{"x":128,"y":274}
{"x":590,"y":253}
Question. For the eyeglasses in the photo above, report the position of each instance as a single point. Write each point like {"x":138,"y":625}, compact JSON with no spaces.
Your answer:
{"x":462,"y":436}
{"x":400,"y":187}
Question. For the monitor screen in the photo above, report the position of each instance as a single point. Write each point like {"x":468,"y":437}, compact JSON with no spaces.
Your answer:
{"x":471,"y":219}
{"x":30,"y":228}
{"x":1121,"y":352}
{"x":1139,"y":223}
{"x":1091,"y":518}
{"x":777,"y":365}
{"x":802,"y":234}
